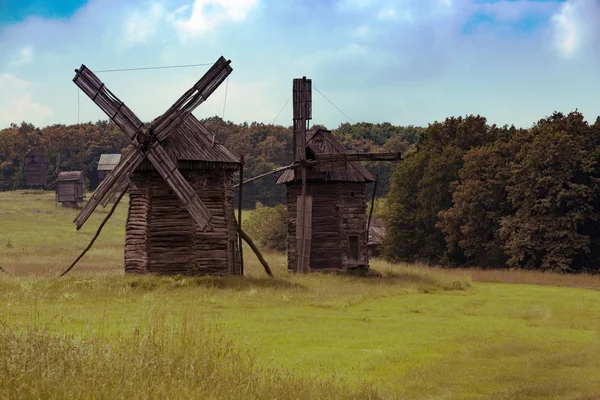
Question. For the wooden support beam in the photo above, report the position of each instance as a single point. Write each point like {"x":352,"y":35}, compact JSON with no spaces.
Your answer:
{"x":352,"y":157}
{"x":276,"y":170}
{"x":110,"y":213}
{"x":260,"y":257}
{"x":372,"y":207}
{"x":240,"y":199}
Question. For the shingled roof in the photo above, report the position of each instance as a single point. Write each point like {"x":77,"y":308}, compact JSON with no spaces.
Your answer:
{"x":323,"y":142}
{"x":108,"y":162}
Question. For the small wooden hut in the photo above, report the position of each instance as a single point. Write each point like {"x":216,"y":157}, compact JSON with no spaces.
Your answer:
{"x":376,"y":237}
{"x":69,"y":188}
{"x":338,"y":239}
{"x":35,"y":168}
{"x":107,"y":163}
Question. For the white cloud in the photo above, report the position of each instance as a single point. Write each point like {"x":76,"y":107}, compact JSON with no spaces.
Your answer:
{"x":139,"y":27}
{"x":576,"y":26}
{"x":206,"y":15}
{"x":17,"y":104}
{"x":24,"y":56}
{"x":387,"y":13}
{"x":447,"y":3}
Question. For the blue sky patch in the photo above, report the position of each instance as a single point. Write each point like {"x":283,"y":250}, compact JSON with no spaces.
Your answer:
{"x":14,"y":11}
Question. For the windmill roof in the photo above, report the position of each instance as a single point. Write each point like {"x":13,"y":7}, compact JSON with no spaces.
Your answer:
{"x":194,"y":142}
{"x":323,"y":142}
{"x":70,"y":175}
{"x":108,"y":162}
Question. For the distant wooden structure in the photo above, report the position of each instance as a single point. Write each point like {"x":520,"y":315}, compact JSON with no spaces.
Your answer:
{"x":107,"y":163}
{"x":376,"y":236}
{"x":69,"y":188}
{"x":180,"y":177}
{"x":35,"y":168}
{"x":336,"y":238}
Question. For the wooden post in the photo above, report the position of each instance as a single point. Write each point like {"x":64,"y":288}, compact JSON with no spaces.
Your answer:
{"x":372,"y":207}
{"x":302,"y":95}
{"x":240,"y":199}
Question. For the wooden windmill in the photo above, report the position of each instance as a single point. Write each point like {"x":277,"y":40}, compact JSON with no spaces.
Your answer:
{"x":35,"y":168}
{"x":325,"y":195}
{"x":180,"y":177}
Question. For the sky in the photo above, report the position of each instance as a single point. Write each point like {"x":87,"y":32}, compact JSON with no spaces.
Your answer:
{"x":407,"y":62}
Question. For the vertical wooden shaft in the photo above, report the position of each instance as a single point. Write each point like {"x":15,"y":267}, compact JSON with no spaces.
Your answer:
{"x":240,"y":199}
{"x":302,"y":113}
{"x":372,"y":206}
{"x":303,"y":267}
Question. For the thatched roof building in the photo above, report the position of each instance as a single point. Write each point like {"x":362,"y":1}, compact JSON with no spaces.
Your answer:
{"x":339,"y":224}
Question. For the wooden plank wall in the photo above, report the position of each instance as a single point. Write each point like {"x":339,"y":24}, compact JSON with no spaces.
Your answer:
{"x":215,"y":251}
{"x":339,"y":210}
{"x":354,"y":221}
{"x":67,"y":191}
{"x":162,"y":238}
{"x":136,"y":257}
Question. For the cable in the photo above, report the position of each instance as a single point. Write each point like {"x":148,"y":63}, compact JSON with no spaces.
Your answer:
{"x":225,"y":100}
{"x":286,"y":103}
{"x":159,"y":67}
{"x":346,"y":115}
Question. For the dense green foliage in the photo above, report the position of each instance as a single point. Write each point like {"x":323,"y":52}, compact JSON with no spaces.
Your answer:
{"x":264,"y":146}
{"x":268,"y":227}
{"x":475,"y":194}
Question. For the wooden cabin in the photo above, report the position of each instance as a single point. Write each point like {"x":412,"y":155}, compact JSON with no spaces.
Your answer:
{"x":107,"y":163}
{"x":338,"y":240}
{"x":376,"y":236}
{"x":69,"y":188}
{"x":160,"y":235}
{"x":35,"y":168}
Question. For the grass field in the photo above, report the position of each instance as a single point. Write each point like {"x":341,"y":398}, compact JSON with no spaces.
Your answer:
{"x":413,"y":333}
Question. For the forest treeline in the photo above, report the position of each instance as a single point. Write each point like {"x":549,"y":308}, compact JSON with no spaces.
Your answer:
{"x":496,"y":197}
{"x":467,"y":193}
{"x":264,"y":146}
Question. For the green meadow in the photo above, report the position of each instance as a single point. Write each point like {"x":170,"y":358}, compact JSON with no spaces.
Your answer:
{"x":412,"y":333}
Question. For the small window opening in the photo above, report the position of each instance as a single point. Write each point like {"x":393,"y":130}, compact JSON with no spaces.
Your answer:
{"x":353,"y":247}
{"x":351,"y":194}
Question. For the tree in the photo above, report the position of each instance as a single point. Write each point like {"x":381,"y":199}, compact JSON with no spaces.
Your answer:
{"x":552,"y":189}
{"x":422,"y":187}
{"x":479,"y":203}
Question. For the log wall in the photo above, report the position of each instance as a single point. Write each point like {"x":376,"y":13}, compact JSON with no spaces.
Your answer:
{"x":172,"y":243}
{"x":136,"y":256}
{"x":339,"y":211}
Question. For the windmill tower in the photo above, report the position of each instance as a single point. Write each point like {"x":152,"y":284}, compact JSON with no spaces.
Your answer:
{"x":179,"y":176}
{"x":326,"y":203}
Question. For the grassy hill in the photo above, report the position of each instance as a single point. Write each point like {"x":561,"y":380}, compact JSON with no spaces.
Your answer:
{"x":413,"y":333}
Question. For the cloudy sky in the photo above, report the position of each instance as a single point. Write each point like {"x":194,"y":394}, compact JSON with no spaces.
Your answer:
{"x":400,"y":61}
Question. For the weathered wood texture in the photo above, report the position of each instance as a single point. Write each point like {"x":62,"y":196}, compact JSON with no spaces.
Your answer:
{"x":323,"y":142}
{"x":35,"y":168}
{"x":338,"y":211}
{"x":162,"y":238}
{"x":69,"y":187}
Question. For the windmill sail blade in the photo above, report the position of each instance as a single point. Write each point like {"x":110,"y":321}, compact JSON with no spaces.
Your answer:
{"x":116,"y":110}
{"x":167,"y":123}
{"x":115,"y":180}
{"x":168,"y":170}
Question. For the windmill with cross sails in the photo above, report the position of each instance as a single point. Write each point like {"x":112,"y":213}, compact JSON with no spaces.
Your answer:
{"x":179,"y":177}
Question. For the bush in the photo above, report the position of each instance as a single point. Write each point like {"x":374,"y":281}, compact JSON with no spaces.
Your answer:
{"x":267,"y":227}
